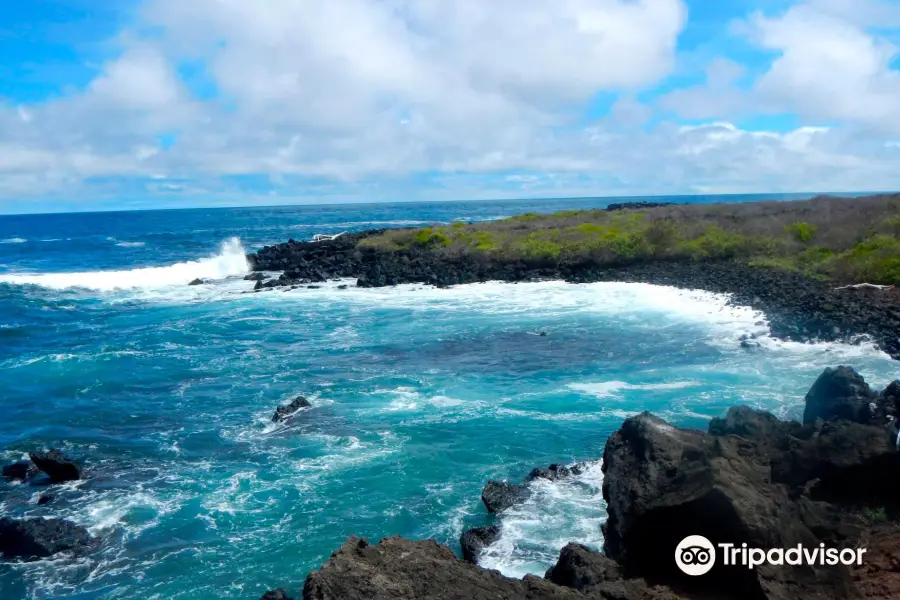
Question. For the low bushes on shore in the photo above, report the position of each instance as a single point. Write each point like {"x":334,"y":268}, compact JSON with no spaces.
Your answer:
{"x":846,"y":239}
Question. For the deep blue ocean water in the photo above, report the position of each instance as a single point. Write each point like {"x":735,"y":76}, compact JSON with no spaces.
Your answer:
{"x":165,"y":393}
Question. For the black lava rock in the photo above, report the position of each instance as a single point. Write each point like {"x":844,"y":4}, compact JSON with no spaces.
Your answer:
{"x":500,"y":495}
{"x":39,"y":538}
{"x":477,"y":539}
{"x":197,"y":281}
{"x":839,"y":393}
{"x":283,"y":412}
{"x":54,"y":463}
{"x":553,"y":473}
{"x":17,"y":471}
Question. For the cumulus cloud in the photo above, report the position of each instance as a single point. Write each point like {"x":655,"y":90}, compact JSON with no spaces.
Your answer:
{"x":833,"y":64}
{"x":356,"y":92}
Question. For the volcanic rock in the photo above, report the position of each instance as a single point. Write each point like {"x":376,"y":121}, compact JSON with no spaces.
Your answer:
{"x":553,"y":473}
{"x":17,"y":471}
{"x":283,"y":412}
{"x":39,"y":538}
{"x":500,"y":495}
{"x":477,"y":539}
{"x":839,"y":393}
{"x":54,"y":463}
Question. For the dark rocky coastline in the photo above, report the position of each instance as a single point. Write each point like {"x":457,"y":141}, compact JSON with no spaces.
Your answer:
{"x":799,"y":308}
{"x":750,"y":478}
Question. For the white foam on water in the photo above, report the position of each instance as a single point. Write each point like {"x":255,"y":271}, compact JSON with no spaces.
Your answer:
{"x":557,"y":512}
{"x":15,"y":240}
{"x":131,"y":244}
{"x":230,"y":261}
{"x":611,"y":389}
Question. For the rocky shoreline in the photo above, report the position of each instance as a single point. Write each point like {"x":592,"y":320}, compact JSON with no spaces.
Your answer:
{"x":829,"y":482}
{"x":799,"y":308}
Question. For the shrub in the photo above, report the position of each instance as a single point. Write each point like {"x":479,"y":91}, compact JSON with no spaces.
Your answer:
{"x":537,"y":247}
{"x":715,"y":243}
{"x":662,"y":235}
{"x":876,"y":260}
{"x":892,"y":224}
{"x":429,"y":238}
{"x":801,"y":231}
{"x":458,"y":225}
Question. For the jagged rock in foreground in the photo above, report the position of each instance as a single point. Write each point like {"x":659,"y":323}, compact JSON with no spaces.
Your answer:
{"x":751,"y":479}
{"x":399,"y":569}
{"x":30,"y":539}
{"x":283,"y":412}
{"x":56,"y":465}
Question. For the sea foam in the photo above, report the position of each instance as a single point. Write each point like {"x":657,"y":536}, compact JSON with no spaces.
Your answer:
{"x":230,"y":261}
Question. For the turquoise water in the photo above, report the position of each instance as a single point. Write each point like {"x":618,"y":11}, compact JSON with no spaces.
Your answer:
{"x":165,"y":392}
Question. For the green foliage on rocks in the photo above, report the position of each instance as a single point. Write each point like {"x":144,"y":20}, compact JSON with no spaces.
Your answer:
{"x":856,"y":239}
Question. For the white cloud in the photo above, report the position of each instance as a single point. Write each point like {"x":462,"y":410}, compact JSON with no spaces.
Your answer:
{"x":830,"y":67}
{"x":359,"y":91}
{"x":832,"y":64}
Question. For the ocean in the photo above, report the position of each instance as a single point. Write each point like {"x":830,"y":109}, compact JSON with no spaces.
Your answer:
{"x":164,"y":392}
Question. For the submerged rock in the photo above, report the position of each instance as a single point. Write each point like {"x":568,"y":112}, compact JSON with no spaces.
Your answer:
{"x":45,"y":499}
{"x":17,"y":471}
{"x":283,"y":412}
{"x":197,"y":281}
{"x":500,"y":495}
{"x":54,"y":463}
{"x":39,"y":538}
{"x":254,"y":276}
{"x":477,"y":539}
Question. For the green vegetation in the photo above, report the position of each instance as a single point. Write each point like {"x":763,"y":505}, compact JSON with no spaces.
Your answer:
{"x":856,"y":239}
{"x":801,"y":231}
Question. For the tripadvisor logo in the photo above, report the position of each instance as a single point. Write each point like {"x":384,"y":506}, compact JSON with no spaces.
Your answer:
{"x":696,"y":555}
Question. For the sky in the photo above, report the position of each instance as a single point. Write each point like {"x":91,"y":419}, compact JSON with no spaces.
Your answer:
{"x":126,"y":104}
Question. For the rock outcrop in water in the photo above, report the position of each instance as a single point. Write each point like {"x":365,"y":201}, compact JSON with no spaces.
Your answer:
{"x":750,"y":478}
{"x":56,"y":465}
{"x":473,"y":541}
{"x":500,"y":495}
{"x":31,"y":539}
{"x":17,"y":471}
{"x":283,"y":412}
{"x":840,"y":393}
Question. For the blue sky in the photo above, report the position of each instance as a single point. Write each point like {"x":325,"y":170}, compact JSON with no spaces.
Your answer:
{"x":163,"y":103}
